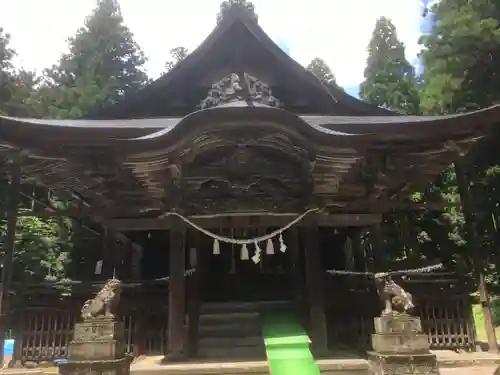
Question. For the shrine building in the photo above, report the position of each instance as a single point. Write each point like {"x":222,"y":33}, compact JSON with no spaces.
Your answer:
{"x":234,"y":181}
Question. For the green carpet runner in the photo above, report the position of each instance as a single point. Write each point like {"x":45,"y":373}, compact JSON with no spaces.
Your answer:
{"x":287,"y":343}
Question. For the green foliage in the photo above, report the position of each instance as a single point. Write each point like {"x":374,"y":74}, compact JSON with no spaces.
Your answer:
{"x":177,"y":54}
{"x":461,"y":56}
{"x":227,"y":5}
{"x":8,"y":79}
{"x":320,"y":69}
{"x":461,"y":73}
{"x":42,"y":249}
{"x":42,"y":246}
{"x":104,"y":64}
{"x":389,"y":78}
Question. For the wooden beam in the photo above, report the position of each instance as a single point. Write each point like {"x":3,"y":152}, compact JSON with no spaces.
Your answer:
{"x":96,"y":215}
{"x":336,"y":220}
{"x":382,"y":205}
{"x":9,"y":244}
{"x":176,"y":295}
{"x":330,"y":203}
{"x":315,"y":288}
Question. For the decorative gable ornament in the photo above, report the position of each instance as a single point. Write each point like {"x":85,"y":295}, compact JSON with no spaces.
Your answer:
{"x":239,"y":87}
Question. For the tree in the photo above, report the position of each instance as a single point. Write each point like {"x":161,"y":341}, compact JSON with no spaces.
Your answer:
{"x":103,"y":65}
{"x":6,"y":70}
{"x":245,"y":5}
{"x":177,"y":54}
{"x":320,"y":69}
{"x":389,"y":77}
{"x":460,"y":56}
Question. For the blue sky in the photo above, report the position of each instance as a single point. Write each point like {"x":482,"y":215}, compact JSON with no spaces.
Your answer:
{"x":337,"y":31}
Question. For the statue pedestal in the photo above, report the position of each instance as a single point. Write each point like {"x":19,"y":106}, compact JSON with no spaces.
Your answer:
{"x":97,"y":348}
{"x":400,"y":347}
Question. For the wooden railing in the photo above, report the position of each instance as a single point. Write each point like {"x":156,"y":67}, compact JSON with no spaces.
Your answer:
{"x":43,"y":328}
{"x":444,"y":305}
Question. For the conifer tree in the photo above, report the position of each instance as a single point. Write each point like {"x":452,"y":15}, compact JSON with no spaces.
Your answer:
{"x":460,"y":56}
{"x":104,"y":64}
{"x":6,"y":70}
{"x":320,"y":69}
{"x":177,"y":54}
{"x":389,"y":77}
{"x":227,"y":5}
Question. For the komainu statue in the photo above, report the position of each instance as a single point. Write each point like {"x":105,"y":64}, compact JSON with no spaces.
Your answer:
{"x":397,"y":301}
{"x":103,"y":305}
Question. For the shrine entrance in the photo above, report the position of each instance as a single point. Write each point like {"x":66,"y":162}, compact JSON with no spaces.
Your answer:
{"x":233,"y":275}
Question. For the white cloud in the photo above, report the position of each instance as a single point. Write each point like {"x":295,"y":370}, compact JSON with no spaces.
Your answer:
{"x":337,"y":31}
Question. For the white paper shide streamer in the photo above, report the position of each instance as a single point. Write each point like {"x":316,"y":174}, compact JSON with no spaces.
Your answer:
{"x":244,"y":253}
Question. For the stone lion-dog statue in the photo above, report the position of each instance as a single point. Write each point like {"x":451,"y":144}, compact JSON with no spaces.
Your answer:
{"x":103,"y":305}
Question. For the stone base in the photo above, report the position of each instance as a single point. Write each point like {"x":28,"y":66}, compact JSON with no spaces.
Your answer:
{"x":403,"y":364}
{"x":98,"y":339}
{"x":397,"y":324}
{"x":95,"y":350}
{"x":400,"y":343}
{"x":98,"y":329}
{"x":111,"y":367}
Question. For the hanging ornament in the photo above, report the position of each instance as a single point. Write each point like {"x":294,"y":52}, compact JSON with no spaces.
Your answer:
{"x":270,"y":247}
{"x":216,"y":250}
{"x":98,"y":267}
{"x":282,"y":243}
{"x":244,"y":252}
{"x":256,"y":256}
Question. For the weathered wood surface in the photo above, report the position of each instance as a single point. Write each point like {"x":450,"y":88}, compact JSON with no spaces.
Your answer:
{"x":239,"y":161}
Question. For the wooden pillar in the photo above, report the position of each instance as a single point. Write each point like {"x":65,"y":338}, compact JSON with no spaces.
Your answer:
{"x":292,"y":241}
{"x":315,"y":279}
{"x":349,"y":253}
{"x":410,"y":240}
{"x":358,"y":251}
{"x":194,"y":292}
{"x":176,"y":297}
{"x":9,"y":244}
{"x":136,"y":263}
{"x":473,"y":243}
{"x":377,"y":248}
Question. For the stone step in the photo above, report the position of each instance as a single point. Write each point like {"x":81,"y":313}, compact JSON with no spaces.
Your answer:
{"x":232,"y":352}
{"x":224,"y":318}
{"x":229,"y":307}
{"x":227,"y":342}
{"x":230,"y":330}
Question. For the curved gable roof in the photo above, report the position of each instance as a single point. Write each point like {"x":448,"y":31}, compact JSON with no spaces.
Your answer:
{"x":182,"y":78}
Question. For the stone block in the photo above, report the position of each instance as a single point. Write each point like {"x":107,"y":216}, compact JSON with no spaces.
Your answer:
{"x":403,"y":364}
{"x":400,"y":343}
{"x":98,"y":330}
{"x":95,"y":350}
{"x":113,"y":367}
{"x":398,"y":324}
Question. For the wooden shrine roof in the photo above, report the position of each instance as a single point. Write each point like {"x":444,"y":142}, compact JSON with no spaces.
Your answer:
{"x":127,"y":168}
{"x":238,"y":44}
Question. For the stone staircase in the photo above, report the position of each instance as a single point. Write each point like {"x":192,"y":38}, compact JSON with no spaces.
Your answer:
{"x":230,"y":331}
